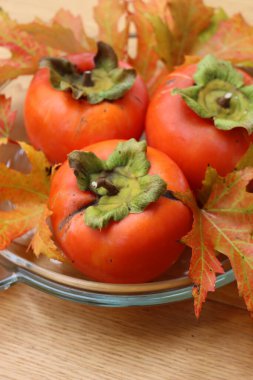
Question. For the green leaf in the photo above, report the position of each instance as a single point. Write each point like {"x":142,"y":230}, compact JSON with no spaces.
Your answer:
{"x":105,"y":58}
{"x":106,"y":81}
{"x":129,"y":158}
{"x":211,"y":68}
{"x":219,"y":93}
{"x":121,"y":183}
{"x":84,"y":164}
{"x":106,"y":210}
{"x":151,"y":187}
{"x":190,"y":96}
{"x":134,"y":196}
{"x":110,"y":86}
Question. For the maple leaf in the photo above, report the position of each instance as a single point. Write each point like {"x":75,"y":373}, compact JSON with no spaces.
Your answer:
{"x":232,"y":41}
{"x":189,"y":19}
{"x":64,"y":33}
{"x":28,"y":43}
{"x":145,"y":16}
{"x":223,"y":224}
{"x":25,"y":50}
{"x":204,"y":264}
{"x":166,"y":32}
{"x":42,"y":240}
{"x":113,"y":23}
{"x":7,"y":117}
{"x":219,"y":15}
{"x":174,"y":32}
{"x":25,"y":196}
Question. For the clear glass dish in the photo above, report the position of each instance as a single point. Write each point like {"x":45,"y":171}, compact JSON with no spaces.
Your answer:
{"x":17,"y":265}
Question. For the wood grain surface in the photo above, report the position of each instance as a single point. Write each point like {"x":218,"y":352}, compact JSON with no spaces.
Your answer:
{"x":44,"y":338}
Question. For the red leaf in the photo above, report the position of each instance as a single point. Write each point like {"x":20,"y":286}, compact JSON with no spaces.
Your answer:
{"x":232,"y":41}
{"x":25,"y":50}
{"x":28,"y":43}
{"x":7,"y":117}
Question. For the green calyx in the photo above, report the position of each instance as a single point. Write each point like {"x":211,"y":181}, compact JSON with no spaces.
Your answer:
{"x":121,"y":183}
{"x":219,"y":93}
{"x":107,"y":81}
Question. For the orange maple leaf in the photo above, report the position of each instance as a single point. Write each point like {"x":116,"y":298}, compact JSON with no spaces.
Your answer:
{"x":147,"y":52}
{"x":223,"y":224}
{"x":7,"y":117}
{"x":166,"y":32}
{"x":112,"y":19}
{"x":63,"y":33}
{"x":23,"y":200}
{"x":25,"y":50}
{"x":232,"y":41}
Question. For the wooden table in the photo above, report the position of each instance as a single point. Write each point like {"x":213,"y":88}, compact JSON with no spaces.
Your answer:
{"x":46,"y":338}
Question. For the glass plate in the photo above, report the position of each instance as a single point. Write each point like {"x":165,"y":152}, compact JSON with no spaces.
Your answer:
{"x":19,"y":265}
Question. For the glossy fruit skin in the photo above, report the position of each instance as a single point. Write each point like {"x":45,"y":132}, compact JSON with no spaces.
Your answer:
{"x":137,"y":249}
{"x":57,"y":124}
{"x":192,"y":142}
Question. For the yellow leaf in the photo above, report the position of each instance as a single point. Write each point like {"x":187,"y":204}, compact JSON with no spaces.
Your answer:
{"x":113,"y":24}
{"x":23,"y":201}
{"x":42,"y":240}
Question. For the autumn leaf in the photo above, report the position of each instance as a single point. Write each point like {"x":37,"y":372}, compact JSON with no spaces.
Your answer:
{"x":166,"y":32}
{"x":223,"y":224}
{"x":232,"y":41}
{"x":23,"y":200}
{"x":7,"y":117}
{"x":42,"y":240}
{"x":147,"y":55}
{"x":187,"y":28}
{"x":246,"y":160}
{"x":113,"y":23}
{"x":189,"y":19}
{"x":25,"y":50}
{"x":174,"y":32}
{"x":230,"y":214}
{"x":204,"y":264}
{"x":164,"y":40}
{"x":219,"y":15}
{"x":28,"y":43}
{"x":64,"y":33}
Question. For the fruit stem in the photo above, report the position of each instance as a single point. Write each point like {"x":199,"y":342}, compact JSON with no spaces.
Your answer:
{"x":103,"y":182}
{"x":87,"y":79}
{"x":224,"y":101}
